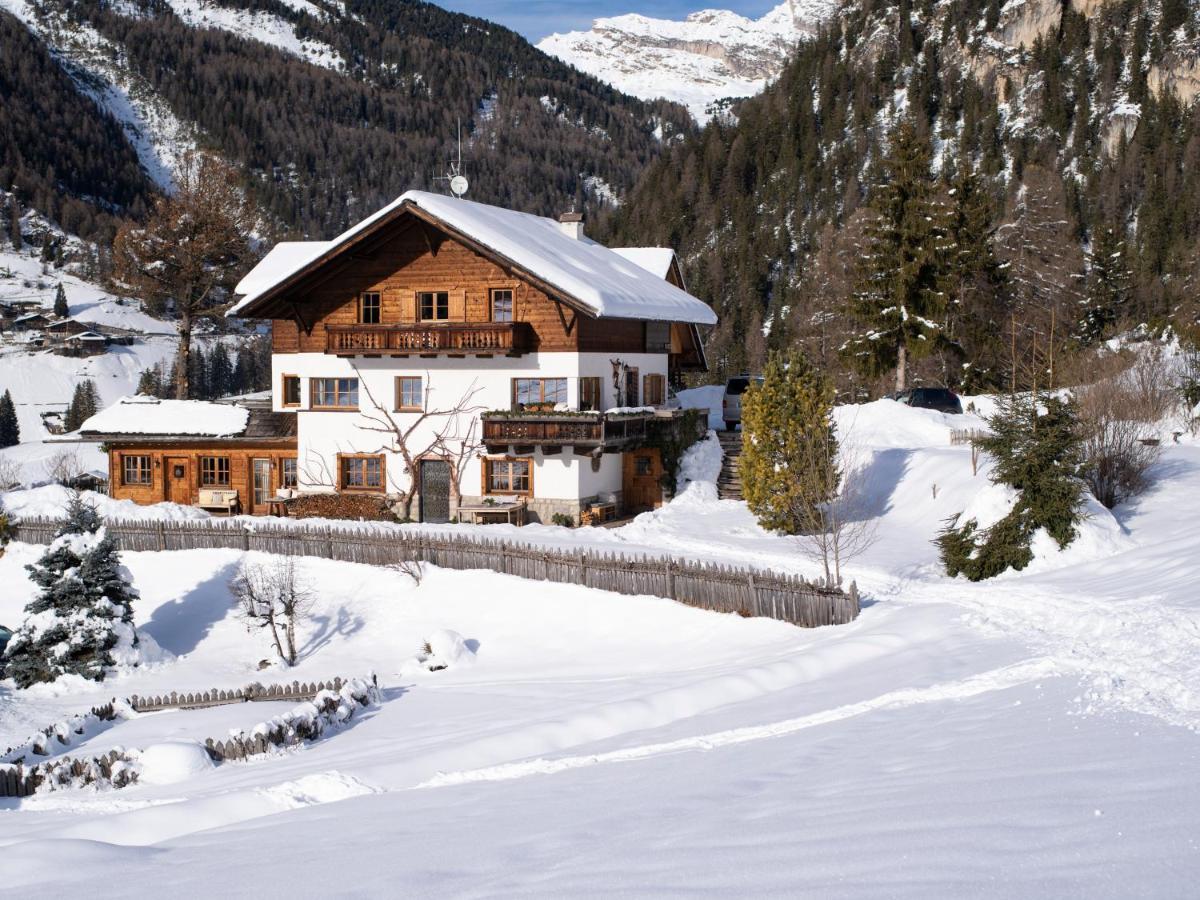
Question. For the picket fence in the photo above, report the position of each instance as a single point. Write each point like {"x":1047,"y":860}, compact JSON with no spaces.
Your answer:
{"x":251,"y":693}
{"x":712,"y":586}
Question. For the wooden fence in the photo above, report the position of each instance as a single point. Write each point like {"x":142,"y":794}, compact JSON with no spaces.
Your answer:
{"x":966,"y":435}
{"x":711,"y":586}
{"x":251,"y":693}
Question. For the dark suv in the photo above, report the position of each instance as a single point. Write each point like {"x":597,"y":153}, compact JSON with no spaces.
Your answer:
{"x":941,"y":399}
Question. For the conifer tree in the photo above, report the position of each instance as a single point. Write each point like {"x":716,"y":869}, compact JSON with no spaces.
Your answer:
{"x":14,"y":224}
{"x":149,"y":383}
{"x":85,"y":403}
{"x":1108,"y":287}
{"x":788,"y":464}
{"x":220,"y":371}
{"x":901,"y":298}
{"x":83,"y":612}
{"x":60,"y":302}
{"x":1035,"y":443}
{"x":10,"y":428}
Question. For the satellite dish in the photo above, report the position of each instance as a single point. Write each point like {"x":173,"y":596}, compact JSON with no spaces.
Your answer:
{"x":458,"y":185}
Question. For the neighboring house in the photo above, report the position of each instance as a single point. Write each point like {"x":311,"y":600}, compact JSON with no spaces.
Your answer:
{"x":62,"y":328}
{"x":85,"y":343}
{"x":31,"y":322}
{"x":454,"y":354}
{"x":182,"y":450}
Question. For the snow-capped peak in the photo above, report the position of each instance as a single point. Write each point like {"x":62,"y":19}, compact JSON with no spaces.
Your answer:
{"x":711,"y":55}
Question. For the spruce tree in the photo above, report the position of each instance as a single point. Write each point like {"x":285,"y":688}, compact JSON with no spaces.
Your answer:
{"x":1109,"y":285}
{"x":10,"y":429}
{"x":72,"y":420}
{"x":60,"y":303}
{"x":149,"y":383}
{"x":901,"y":299}
{"x":83,"y":612}
{"x":1035,"y":445}
{"x":220,"y":371}
{"x":14,"y":224}
{"x":788,"y":464}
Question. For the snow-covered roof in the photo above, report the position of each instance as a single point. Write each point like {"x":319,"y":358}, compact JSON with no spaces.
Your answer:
{"x":285,"y":257}
{"x":655,"y":260}
{"x":602,"y":281}
{"x":150,"y":416}
{"x":36,"y":315}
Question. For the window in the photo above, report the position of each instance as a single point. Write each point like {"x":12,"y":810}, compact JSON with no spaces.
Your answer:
{"x":502,"y":306}
{"x":291,"y":390}
{"x":508,"y":476}
{"x":289,"y":477}
{"x":643,"y":466}
{"x":434,"y":306}
{"x":333,"y":393}
{"x":658,"y":337}
{"x":368,"y":308}
{"x":653,"y":389}
{"x":214,"y":471}
{"x":408,"y":393}
{"x":589,"y":393}
{"x":135,"y":469}
{"x":361,"y":473}
{"x":539,"y":392}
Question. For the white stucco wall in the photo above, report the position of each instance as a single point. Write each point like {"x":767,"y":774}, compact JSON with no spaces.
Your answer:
{"x":485,"y":384}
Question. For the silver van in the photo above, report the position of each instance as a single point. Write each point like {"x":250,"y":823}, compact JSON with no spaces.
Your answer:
{"x":731,"y":403}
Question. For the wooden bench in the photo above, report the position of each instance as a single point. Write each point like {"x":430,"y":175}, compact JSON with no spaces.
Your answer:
{"x":219,"y":501}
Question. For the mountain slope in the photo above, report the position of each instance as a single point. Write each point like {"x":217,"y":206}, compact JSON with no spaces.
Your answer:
{"x":713,"y":55}
{"x":1058,"y":107}
{"x":336,"y":108}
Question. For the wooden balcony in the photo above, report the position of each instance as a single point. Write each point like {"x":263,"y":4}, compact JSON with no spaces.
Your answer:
{"x":429,"y":339}
{"x":581,"y":430}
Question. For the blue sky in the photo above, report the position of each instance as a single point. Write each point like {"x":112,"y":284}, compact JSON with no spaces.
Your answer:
{"x":537,"y":18}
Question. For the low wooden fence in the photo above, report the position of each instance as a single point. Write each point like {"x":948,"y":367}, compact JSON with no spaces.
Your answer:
{"x":711,"y":586}
{"x":251,"y":693}
{"x":966,"y":435}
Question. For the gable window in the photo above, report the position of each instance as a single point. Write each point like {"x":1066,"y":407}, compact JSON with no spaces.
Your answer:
{"x":290,"y":391}
{"x":539,"y":392}
{"x":502,"y":305}
{"x":288,"y":477}
{"x":653,"y":389}
{"x":408,"y":393}
{"x":658,"y":337}
{"x":214,"y":471}
{"x":434,"y":306}
{"x":135,"y":469}
{"x":589,"y":393}
{"x":508,"y":476}
{"x":333,"y":393}
{"x":360,"y":473}
{"x":369,"y":308}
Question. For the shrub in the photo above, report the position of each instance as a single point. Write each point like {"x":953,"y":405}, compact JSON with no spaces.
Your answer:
{"x":1036,"y":446}
{"x":563,"y":519}
{"x":367,"y":507}
{"x":1115,"y":457}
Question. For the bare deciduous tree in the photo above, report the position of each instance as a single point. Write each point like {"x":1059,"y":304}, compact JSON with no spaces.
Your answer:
{"x":842,"y":528}
{"x":192,"y":248}
{"x":64,"y":467}
{"x":446,"y":433}
{"x":272,"y":596}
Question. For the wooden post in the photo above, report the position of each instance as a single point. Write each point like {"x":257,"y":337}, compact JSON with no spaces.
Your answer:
{"x":162,"y":538}
{"x":670,"y":570}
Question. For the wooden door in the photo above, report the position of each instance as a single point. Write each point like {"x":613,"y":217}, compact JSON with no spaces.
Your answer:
{"x":631,"y":388}
{"x":260,"y":485}
{"x":177,"y":480}
{"x":435,"y":491}
{"x":641,"y":487}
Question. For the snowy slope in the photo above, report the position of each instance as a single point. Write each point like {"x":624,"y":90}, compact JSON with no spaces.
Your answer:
{"x":1035,"y":735}
{"x":711,"y":55}
{"x":43,"y":382}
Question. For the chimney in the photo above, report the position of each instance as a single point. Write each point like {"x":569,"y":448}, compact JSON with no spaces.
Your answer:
{"x":571,"y":224}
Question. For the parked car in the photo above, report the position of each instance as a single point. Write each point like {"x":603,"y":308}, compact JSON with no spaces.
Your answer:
{"x":941,"y":399}
{"x":731,"y":403}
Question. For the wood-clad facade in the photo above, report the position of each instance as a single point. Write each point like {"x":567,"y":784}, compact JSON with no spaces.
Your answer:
{"x":175,"y":472}
{"x":411,"y":258}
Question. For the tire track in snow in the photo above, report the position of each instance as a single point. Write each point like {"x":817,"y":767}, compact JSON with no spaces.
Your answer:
{"x":987,"y":682}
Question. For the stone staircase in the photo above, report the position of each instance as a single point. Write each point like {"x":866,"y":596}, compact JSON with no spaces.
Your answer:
{"x":729,"y":482}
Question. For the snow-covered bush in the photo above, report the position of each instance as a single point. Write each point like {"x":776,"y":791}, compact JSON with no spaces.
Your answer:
{"x":1117,"y":448}
{"x":1036,"y":446}
{"x":82,"y":620}
{"x":441,"y":650}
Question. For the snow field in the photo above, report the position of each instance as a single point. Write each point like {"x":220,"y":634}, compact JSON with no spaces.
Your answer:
{"x":1035,"y":734}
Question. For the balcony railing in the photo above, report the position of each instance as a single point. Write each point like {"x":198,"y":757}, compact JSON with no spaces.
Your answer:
{"x":559,"y":429}
{"x":509,"y":338}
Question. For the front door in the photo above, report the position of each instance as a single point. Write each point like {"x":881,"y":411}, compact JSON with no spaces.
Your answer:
{"x":435,"y":491}
{"x":261,"y":469}
{"x":177,"y":480}
{"x":642,"y":485}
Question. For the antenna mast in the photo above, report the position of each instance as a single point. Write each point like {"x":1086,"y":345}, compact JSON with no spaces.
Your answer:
{"x":454,"y":175}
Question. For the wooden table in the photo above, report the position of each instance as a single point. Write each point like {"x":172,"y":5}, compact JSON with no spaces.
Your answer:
{"x":278,"y":506}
